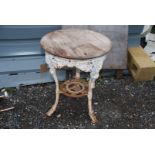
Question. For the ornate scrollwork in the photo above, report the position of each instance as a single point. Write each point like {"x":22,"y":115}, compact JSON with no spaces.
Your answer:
{"x":89,"y":65}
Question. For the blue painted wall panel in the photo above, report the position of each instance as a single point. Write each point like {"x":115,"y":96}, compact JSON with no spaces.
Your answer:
{"x":21,"y":64}
{"x":135,"y":29}
{"x":21,"y":55}
{"x":134,"y":35}
{"x":13,"y":48}
{"x":28,"y":78}
{"x":25,"y":31}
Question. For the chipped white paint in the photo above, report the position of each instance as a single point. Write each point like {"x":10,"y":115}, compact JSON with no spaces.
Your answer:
{"x":89,"y":65}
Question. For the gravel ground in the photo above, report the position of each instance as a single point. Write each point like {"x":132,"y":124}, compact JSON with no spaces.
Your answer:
{"x":118,"y":104}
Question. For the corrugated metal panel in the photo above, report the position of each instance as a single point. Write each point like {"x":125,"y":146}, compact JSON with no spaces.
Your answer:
{"x":20,"y":64}
{"x":25,"y":31}
{"x":27,"y":78}
{"x":21,"y":55}
{"x":13,"y":48}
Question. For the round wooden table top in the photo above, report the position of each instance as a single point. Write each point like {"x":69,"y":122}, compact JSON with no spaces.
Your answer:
{"x":76,"y":44}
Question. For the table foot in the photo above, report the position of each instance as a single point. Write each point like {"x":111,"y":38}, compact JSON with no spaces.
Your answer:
{"x":52,"y":109}
{"x":93,"y":118}
{"x":50,"y":112}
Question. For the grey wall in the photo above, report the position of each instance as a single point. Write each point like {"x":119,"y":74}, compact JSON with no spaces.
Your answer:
{"x":117,"y":58}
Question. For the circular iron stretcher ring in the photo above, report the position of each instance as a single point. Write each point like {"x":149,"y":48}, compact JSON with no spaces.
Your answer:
{"x":74,"y":88}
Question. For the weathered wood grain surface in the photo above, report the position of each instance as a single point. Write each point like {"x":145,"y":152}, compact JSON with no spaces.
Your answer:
{"x":76,"y":43}
{"x":118,"y":34}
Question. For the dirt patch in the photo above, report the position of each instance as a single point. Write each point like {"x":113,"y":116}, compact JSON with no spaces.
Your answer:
{"x":117,"y":103}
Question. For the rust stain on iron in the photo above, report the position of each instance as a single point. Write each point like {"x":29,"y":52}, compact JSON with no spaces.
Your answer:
{"x":75,"y":88}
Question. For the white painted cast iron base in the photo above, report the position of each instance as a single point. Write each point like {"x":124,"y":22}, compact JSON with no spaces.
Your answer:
{"x":89,"y":65}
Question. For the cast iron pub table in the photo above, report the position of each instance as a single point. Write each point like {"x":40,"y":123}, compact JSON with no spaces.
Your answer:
{"x":83,"y":49}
